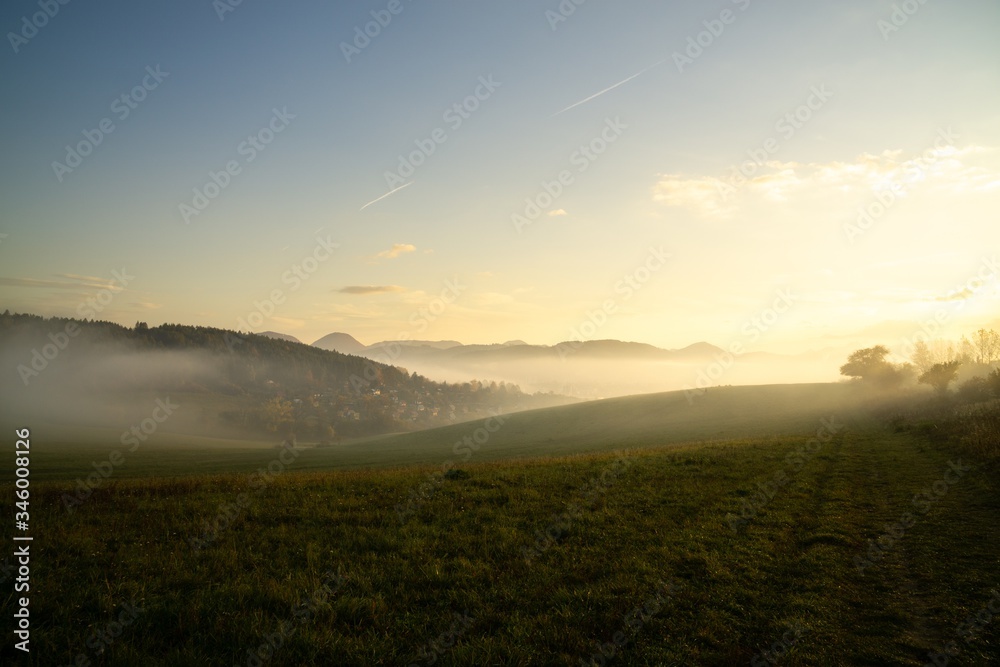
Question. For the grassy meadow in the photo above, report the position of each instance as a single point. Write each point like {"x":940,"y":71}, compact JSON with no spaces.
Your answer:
{"x":830,"y":538}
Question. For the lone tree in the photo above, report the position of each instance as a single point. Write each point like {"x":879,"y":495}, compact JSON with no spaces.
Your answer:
{"x":940,"y":376}
{"x":870,"y":366}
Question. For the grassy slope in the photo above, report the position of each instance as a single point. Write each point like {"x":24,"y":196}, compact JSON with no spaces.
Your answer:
{"x":662,"y":519}
{"x":633,"y":421}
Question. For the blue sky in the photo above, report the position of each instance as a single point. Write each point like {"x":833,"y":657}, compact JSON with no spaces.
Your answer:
{"x":882,"y":99}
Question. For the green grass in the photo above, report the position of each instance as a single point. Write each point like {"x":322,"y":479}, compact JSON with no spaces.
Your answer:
{"x":663,"y":518}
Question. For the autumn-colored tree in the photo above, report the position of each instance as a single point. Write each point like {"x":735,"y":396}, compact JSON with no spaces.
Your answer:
{"x":275,"y":413}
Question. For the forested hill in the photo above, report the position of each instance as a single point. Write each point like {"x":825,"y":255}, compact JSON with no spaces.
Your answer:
{"x":274,"y":382}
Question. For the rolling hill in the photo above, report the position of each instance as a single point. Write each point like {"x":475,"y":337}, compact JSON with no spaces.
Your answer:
{"x":595,"y":426}
{"x":616,"y":423}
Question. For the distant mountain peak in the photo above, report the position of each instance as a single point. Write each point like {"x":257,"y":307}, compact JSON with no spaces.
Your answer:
{"x":700,"y":348}
{"x":435,"y":344}
{"x":340,"y":342}
{"x":280,"y":336}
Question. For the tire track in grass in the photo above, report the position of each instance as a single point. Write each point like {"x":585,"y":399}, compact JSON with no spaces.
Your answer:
{"x":887,"y":607}
{"x":792,"y":522}
{"x":856,"y":494}
{"x":811,"y":531}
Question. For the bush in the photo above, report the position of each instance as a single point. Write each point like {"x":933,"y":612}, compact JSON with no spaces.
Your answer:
{"x":993,"y":380}
{"x":975,"y":390}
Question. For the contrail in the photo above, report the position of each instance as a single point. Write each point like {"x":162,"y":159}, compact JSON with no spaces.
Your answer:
{"x":620,"y":83}
{"x":386,"y":195}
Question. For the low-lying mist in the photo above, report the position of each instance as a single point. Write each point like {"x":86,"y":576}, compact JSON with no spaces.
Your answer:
{"x":99,"y":380}
{"x":610,"y":377}
{"x":112,"y":390}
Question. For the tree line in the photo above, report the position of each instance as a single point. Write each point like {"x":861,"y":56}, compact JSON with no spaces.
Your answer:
{"x":935,"y":363}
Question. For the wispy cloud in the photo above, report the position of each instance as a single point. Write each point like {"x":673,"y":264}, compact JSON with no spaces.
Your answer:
{"x":949,"y":171}
{"x":74,"y":282}
{"x":701,"y":194}
{"x":608,"y":89}
{"x":371,"y":289}
{"x":558,"y":213}
{"x":396,"y":250}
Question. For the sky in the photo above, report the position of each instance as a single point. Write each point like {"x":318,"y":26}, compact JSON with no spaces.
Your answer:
{"x":785,"y":175}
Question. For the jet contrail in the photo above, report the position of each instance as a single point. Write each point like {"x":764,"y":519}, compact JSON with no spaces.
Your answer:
{"x":620,"y":83}
{"x":386,"y":195}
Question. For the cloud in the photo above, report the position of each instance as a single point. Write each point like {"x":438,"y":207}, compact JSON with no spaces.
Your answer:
{"x":558,"y":212}
{"x":370,"y":289}
{"x":960,"y":295}
{"x":146,"y":305}
{"x":944,"y":171}
{"x":701,"y":194}
{"x":396,"y":250}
